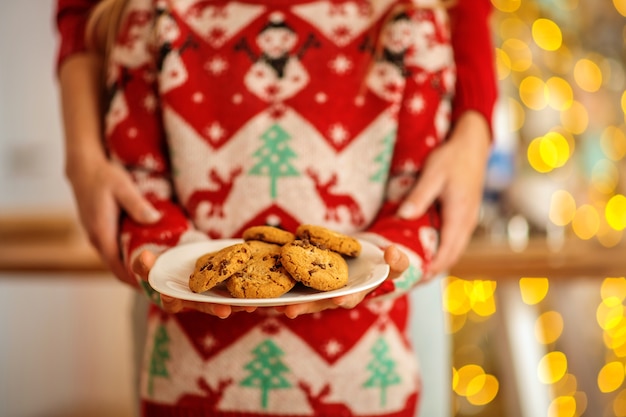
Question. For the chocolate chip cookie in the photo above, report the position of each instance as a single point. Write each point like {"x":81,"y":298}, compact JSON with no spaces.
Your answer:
{"x":329,"y":239}
{"x":263,"y":277}
{"x":213,"y":268}
{"x":318,"y":268}
{"x":268,"y":234}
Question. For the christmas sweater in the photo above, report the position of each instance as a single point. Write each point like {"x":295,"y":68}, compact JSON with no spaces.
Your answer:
{"x":280,"y":112}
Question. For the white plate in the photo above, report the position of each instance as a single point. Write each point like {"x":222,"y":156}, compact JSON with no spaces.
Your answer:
{"x":170,"y":276}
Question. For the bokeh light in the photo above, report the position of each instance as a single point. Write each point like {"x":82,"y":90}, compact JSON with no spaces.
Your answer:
{"x":615,"y":212}
{"x":588,"y":75}
{"x":560,"y":93}
{"x":562,"y":406}
{"x":533,"y":92}
{"x":549,"y":327}
{"x":533,"y":290}
{"x":575,"y":119}
{"x":547,"y":34}
{"x":562,"y":208}
{"x":552,"y":367}
{"x":613,"y":143}
{"x":611,"y":376}
{"x":586,"y":222}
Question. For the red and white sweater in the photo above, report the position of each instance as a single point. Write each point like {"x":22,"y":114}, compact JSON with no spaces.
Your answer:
{"x":281,"y":112}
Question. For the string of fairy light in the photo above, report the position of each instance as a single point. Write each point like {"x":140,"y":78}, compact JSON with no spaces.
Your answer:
{"x":563,"y":78}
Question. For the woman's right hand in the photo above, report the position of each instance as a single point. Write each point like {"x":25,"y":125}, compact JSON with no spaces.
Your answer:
{"x":142,"y":265}
{"x":102,"y":190}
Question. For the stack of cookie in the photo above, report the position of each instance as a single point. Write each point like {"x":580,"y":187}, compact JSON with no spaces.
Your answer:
{"x":271,"y":261}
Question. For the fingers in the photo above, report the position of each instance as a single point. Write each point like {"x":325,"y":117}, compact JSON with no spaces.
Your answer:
{"x":427,"y":188}
{"x":133,"y":202}
{"x":175,"y":305}
{"x":456,"y":231}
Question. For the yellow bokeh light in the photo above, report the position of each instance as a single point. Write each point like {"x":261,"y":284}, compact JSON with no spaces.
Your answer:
{"x":575,"y":119}
{"x":482,"y":297}
{"x":609,"y":237}
{"x":609,"y":314}
{"x":489,"y":389}
{"x":547,"y":34}
{"x":533,"y":290}
{"x":466,"y":374}
{"x":613,"y":142}
{"x":566,"y":385}
{"x":455,"y":299}
{"x":563,"y":406}
{"x":624,"y":104}
{"x":614,"y":287}
{"x":588,"y":75}
{"x":552,"y":367}
{"x":506,"y":6}
{"x":620,"y":6}
{"x":605,"y":176}
{"x":533,"y":93}
{"x":615,"y":212}
{"x":615,"y":338}
{"x":554,"y":149}
{"x":619,"y":404}
{"x":456,"y":322}
{"x":535,"y":157}
{"x":560,"y":93}
{"x":520,"y":56}
{"x":562,"y":208}
{"x":548,"y":327}
{"x":586,"y":222}
{"x":611,"y":377}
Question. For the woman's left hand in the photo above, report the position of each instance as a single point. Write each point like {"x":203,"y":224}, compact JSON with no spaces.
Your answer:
{"x":453,"y":175}
{"x":398,"y":262}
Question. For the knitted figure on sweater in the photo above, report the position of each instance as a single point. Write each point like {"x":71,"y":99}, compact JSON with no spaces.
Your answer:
{"x":234,"y":114}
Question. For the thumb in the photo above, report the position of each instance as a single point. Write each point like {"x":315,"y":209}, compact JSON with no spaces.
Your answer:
{"x":143,"y":263}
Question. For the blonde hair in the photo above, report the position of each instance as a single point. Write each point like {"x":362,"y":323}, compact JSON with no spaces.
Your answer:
{"x":103,"y":25}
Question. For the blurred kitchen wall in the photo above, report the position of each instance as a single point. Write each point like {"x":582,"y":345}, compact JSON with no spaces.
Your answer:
{"x":31,"y":144}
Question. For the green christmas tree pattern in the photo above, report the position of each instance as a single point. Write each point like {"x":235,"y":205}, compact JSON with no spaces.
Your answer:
{"x":410,"y":277}
{"x":384,"y":158}
{"x":273,"y":157}
{"x":159,"y":357}
{"x":383,"y":370}
{"x":266,"y":370}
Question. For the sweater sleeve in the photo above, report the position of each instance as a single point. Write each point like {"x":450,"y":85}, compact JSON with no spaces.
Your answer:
{"x":476,"y":87}
{"x":71,"y":19}
{"x":135,"y":139}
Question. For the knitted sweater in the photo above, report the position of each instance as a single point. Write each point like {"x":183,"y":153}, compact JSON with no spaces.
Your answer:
{"x":281,"y":112}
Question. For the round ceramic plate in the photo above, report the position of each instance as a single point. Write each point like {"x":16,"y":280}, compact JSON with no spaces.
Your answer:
{"x":170,"y":276}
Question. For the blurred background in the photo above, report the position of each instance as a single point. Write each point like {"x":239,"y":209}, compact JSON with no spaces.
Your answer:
{"x":534,"y":311}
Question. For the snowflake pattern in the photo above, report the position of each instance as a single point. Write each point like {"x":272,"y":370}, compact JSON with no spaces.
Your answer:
{"x":216,"y":66}
{"x":209,"y":342}
{"x":333,"y":348}
{"x":215,"y":132}
{"x":416,"y":104}
{"x":150,"y":103}
{"x":338,"y":134}
{"x":341,"y":64}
